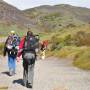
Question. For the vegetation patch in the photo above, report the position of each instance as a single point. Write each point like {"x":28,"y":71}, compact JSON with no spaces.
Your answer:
{"x":5,"y":30}
{"x":73,"y":43}
{"x":1,"y":48}
{"x":83,"y":60}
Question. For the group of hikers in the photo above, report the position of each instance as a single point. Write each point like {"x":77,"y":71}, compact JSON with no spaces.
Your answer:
{"x":27,"y":47}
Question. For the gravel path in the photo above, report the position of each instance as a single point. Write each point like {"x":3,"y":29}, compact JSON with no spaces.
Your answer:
{"x":50,"y":74}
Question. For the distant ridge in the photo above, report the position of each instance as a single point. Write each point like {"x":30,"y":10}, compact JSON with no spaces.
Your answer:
{"x":44,"y":17}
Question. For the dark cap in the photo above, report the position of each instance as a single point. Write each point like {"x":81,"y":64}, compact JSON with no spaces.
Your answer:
{"x":29,"y":33}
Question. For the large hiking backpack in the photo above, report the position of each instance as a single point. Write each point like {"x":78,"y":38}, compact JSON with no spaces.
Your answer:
{"x":12,"y":41}
{"x":30,"y":43}
{"x":11,"y":45}
{"x":29,"y":54}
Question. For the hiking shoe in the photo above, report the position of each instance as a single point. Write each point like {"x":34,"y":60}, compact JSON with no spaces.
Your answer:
{"x":14,"y":72}
{"x":29,"y":85}
{"x":10,"y":73}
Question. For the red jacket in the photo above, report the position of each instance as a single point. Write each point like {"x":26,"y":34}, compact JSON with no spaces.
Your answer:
{"x":45,"y":43}
{"x":21,"y":46}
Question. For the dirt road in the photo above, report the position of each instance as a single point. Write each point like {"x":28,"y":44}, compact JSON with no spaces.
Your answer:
{"x":50,"y":74}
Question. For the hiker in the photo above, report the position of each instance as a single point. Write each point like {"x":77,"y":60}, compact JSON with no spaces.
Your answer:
{"x":27,"y":49}
{"x":37,"y":46}
{"x":11,"y":48}
{"x":44,"y":45}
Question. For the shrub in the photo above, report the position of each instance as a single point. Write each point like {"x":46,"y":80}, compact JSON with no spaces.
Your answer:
{"x":83,"y":60}
{"x":1,"y":48}
{"x":82,"y":38}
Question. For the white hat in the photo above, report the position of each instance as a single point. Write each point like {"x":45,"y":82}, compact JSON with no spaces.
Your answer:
{"x":13,"y":32}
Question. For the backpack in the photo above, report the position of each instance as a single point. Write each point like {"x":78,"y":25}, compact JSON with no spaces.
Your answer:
{"x":29,"y":54}
{"x":12,"y":41}
{"x":30,"y":43}
{"x":11,"y":45}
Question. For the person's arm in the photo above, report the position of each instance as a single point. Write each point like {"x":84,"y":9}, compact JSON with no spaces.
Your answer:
{"x":21,"y":47}
{"x":5,"y":50}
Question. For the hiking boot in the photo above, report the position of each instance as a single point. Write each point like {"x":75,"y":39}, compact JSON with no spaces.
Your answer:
{"x":14,"y":72}
{"x":29,"y":85}
{"x":10,"y":73}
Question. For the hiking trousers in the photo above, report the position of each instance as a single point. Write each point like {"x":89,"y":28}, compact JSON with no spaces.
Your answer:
{"x":28,"y":75}
{"x":12,"y":64}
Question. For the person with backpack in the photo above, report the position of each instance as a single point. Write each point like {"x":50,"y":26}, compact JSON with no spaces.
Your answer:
{"x":27,"y":49}
{"x":10,"y":47}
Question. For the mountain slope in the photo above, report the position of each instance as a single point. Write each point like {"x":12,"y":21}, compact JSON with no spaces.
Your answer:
{"x":11,"y":14}
{"x":13,"y":18}
{"x":58,"y":16}
{"x":43,"y":18}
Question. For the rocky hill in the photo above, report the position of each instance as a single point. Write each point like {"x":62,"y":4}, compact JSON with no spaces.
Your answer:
{"x":11,"y":15}
{"x":11,"y":18}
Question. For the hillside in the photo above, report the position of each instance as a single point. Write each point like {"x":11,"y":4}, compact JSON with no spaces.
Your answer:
{"x":58,"y":16}
{"x":11,"y":14}
{"x":42,"y":18}
{"x":12,"y":18}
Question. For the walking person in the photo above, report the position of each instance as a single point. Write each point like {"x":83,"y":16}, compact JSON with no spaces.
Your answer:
{"x":27,"y":48}
{"x":44,"y":45}
{"x":42,"y":51}
{"x":10,"y":47}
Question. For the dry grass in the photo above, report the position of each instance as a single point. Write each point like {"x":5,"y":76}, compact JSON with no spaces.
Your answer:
{"x":72,"y":43}
{"x":3,"y":87}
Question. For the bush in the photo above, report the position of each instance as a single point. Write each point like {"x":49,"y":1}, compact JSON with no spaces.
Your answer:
{"x":83,"y":60}
{"x":82,"y":38}
{"x":1,"y":48}
{"x":59,"y":42}
{"x":68,"y":51}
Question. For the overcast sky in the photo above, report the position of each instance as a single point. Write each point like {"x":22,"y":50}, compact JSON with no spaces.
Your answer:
{"x":24,"y":4}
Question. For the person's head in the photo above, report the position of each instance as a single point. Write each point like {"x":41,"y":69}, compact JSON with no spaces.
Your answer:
{"x":37,"y":36}
{"x":29,"y":33}
{"x":12,"y":32}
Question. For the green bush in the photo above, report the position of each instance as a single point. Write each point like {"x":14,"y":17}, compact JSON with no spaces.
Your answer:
{"x":59,"y":42}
